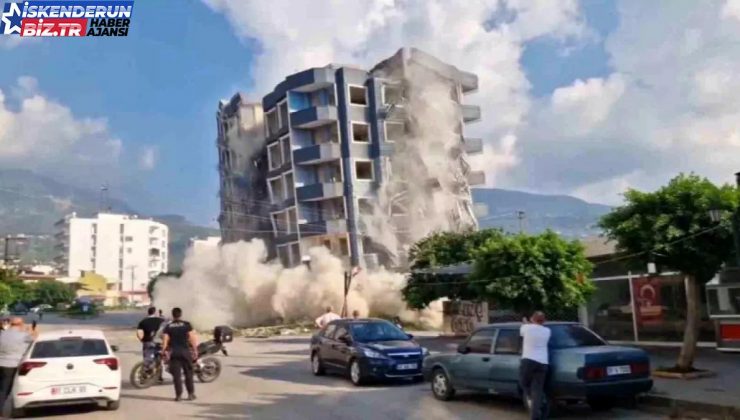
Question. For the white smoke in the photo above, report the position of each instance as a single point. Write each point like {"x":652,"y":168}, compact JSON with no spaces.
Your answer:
{"x":235,"y":285}
{"x":426,"y":179}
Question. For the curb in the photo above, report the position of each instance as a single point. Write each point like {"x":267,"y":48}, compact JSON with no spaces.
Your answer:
{"x":691,"y":409}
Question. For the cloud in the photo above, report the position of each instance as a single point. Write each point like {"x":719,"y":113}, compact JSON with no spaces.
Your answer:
{"x":485,"y":37}
{"x":670,"y":105}
{"x":41,"y":134}
{"x":148,"y":158}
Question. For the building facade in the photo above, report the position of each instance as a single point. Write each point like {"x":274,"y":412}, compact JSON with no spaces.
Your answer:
{"x":331,"y":135}
{"x":124,"y":249}
{"x":242,"y":168}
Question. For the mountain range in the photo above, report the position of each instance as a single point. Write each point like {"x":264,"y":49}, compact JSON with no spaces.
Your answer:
{"x":31,"y":204}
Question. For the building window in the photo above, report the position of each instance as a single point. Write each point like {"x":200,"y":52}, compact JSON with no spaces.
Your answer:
{"x":272,"y":122}
{"x":284,"y":255}
{"x":287,"y":152}
{"x":365,"y":206}
{"x":275,"y":223}
{"x":392,"y":95}
{"x":295,"y":253}
{"x":274,"y":155}
{"x":129,"y":239}
{"x":360,"y":132}
{"x":289,"y":187}
{"x":276,"y":190}
{"x":283,"y":108}
{"x":343,"y":246}
{"x":358,"y":95}
{"x":364,"y":170}
{"x":129,"y":250}
{"x":292,"y":221}
{"x":394,"y":131}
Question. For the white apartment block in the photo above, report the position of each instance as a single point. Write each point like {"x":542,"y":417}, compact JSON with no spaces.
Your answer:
{"x":124,"y":249}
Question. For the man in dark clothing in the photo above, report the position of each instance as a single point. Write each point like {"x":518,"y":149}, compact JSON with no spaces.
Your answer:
{"x":146,"y":333}
{"x":180,"y":345}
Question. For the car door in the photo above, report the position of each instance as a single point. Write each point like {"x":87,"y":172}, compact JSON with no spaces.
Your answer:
{"x":474,"y":365}
{"x":504,"y":371}
{"x":341,"y":351}
{"x":325,"y":341}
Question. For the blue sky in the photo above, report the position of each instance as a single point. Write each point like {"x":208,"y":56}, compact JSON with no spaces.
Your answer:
{"x":160,"y":87}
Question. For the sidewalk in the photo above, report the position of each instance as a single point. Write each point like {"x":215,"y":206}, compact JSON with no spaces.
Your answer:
{"x":717,"y":397}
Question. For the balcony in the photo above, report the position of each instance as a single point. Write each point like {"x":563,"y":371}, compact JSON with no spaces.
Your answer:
{"x":321,"y":191}
{"x":473,"y":145}
{"x":323,"y":227}
{"x":318,"y":153}
{"x":468,"y":82}
{"x":314,"y":116}
{"x":470,"y":113}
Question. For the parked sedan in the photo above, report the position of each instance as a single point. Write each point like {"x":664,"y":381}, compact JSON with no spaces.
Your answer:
{"x":67,"y":368}
{"x":582,"y":366}
{"x":366,"y":349}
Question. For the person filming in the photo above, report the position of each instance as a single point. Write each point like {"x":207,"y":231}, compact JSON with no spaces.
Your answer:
{"x":535,"y":363}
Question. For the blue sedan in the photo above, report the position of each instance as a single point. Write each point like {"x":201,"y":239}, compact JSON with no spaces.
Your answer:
{"x":583,"y":367}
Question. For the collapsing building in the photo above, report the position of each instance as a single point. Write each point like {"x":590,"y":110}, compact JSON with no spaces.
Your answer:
{"x":362,"y":162}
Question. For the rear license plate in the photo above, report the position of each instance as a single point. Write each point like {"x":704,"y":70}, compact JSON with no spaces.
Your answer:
{"x":68,"y":390}
{"x":407,"y":366}
{"x":618,"y":370}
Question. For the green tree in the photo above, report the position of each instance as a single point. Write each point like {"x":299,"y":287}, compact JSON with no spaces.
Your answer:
{"x":6,"y":295}
{"x":52,"y":293}
{"x":439,"y":250}
{"x":672,"y":228}
{"x":524,"y":273}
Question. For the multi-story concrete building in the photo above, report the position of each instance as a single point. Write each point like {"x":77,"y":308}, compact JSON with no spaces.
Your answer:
{"x":242,"y":168}
{"x":330,"y":136}
{"x":124,"y":249}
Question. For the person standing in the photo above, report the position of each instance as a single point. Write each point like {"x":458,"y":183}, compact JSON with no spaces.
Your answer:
{"x":534,"y":364}
{"x":180,"y":346}
{"x":146,"y":332}
{"x":327,"y":317}
{"x":14,"y":342}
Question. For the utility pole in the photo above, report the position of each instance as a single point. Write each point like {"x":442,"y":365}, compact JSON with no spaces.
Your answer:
{"x":521,"y":215}
{"x":736,"y":225}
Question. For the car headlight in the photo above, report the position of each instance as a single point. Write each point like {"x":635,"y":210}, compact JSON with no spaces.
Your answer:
{"x":424,"y":352}
{"x":373,"y":354}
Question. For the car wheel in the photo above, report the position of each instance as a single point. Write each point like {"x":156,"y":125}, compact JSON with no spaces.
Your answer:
{"x":317,"y":367}
{"x":355,"y":373}
{"x":113,"y":405}
{"x":441,"y":385}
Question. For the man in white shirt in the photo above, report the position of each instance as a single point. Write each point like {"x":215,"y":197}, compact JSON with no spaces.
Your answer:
{"x":535,"y":363}
{"x":326,"y":318}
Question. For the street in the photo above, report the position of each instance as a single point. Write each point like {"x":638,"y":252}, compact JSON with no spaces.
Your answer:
{"x":271,"y":379}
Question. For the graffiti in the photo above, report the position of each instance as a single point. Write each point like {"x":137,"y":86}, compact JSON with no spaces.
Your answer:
{"x":462,"y":317}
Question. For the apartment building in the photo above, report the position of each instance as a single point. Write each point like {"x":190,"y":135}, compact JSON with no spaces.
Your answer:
{"x":242,"y":166}
{"x":124,"y":249}
{"x":330,"y":135}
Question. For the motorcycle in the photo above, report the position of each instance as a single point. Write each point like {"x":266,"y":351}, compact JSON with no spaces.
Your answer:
{"x":205,"y":368}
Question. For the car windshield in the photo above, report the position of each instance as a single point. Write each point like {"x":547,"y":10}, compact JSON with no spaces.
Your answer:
{"x":377,"y":331}
{"x":569,"y":336}
{"x":75,"y":347}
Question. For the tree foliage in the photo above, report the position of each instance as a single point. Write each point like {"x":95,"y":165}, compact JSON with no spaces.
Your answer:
{"x":517,"y":272}
{"x":153,"y":282}
{"x":439,"y":250}
{"x":6,"y":295}
{"x":525,"y":273}
{"x":658,"y":226}
{"x":52,"y":293}
{"x":673,"y":228}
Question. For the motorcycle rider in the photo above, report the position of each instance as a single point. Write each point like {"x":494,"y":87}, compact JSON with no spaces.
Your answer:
{"x":180,"y":346}
{"x":146,"y":332}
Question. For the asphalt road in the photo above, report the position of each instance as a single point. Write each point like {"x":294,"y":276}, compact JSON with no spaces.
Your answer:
{"x":271,"y":379}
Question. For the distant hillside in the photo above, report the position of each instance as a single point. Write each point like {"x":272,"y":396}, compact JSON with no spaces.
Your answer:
{"x":567,"y":215}
{"x":31,"y":204}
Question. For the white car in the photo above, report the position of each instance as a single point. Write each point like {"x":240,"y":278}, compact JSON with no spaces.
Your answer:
{"x":66,"y":368}
{"x":41,"y":308}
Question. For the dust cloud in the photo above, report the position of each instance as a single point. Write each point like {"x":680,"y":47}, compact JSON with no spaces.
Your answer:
{"x":234,"y":284}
